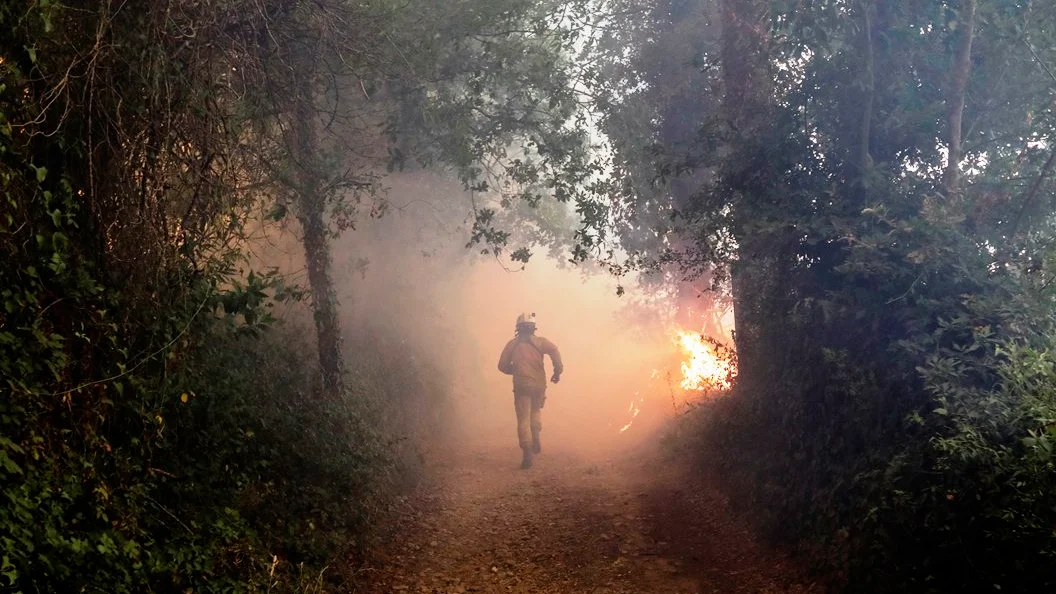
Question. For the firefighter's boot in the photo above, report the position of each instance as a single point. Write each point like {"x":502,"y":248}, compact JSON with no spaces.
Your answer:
{"x":526,"y":461}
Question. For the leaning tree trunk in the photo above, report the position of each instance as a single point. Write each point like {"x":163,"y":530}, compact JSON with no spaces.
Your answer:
{"x":311,"y":212}
{"x":962,"y":65}
{"x":865,"y":157}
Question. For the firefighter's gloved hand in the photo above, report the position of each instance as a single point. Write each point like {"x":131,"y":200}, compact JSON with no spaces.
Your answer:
{"x":556,"y":378}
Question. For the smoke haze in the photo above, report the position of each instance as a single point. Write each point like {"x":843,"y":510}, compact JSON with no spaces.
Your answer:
{"x":408,"y":277}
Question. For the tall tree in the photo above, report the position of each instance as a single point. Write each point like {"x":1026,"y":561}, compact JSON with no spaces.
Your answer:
{"x":880,"y":282}
{"x":748,"y":94}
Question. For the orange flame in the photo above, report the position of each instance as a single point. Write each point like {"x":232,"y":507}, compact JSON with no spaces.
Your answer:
{"x":704,"y":369}
{"x":705,"y":365}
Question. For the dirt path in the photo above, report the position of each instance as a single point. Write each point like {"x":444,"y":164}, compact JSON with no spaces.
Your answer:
{"x":573,"y":525}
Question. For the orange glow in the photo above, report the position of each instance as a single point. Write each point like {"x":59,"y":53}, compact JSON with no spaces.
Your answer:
{"x":704,"y":369}
{"x":704,"y":366}
{"x":633,"y":411}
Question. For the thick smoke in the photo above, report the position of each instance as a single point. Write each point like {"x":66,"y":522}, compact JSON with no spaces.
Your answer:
{"x":410,"y":289}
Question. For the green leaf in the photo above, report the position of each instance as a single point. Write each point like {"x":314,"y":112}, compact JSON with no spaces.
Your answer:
{"x":7,"y":569}
{"x":7,"y":464}
{"x":278,"y":212}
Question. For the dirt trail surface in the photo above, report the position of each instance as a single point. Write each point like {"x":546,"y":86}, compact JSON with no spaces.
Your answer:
{"x":636,"y":524}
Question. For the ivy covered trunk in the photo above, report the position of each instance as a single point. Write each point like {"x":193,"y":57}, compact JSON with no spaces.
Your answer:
{"x":311,"y":212}
{"x":324,"y":300}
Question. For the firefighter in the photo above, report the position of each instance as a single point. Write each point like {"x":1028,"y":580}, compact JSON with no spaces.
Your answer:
{"x":523,"y":359}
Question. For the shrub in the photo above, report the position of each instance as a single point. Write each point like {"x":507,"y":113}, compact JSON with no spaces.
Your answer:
{"x":906,"y":443}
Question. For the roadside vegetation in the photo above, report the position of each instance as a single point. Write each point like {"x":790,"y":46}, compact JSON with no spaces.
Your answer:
{"x":870,"y":184}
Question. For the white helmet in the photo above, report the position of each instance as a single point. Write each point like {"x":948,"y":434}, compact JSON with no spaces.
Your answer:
{"x":526,"y":319}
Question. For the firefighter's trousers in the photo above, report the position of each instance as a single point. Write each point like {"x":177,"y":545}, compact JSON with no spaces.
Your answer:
{"x":529,"y":404}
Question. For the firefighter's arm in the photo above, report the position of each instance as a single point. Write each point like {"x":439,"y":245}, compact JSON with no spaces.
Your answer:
{"x":506,"y":359}
{"x":555,"y":358}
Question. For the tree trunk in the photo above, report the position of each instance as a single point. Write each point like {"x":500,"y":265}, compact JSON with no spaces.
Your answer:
{"x":955,"y":98}
{"x":865,"y":158}
{"x":745,"y":76}
{"x":324,"y":300}
{"x":311,"y":212}
{"x":748,"y":95}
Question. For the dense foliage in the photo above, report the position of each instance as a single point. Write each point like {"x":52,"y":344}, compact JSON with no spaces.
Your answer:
{"x":894,"y":412}
{"x":160,"y":431}
{"x":873,"y":179}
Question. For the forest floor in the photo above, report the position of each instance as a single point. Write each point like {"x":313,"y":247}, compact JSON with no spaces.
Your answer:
{"x":642,"y":522}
